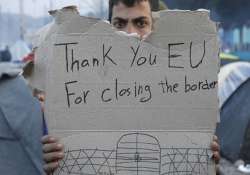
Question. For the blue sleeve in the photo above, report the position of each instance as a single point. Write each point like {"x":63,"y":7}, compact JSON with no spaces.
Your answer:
{"x":45,"y":128}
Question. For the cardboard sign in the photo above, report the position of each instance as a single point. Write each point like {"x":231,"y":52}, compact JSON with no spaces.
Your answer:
{"x":126,"y":106}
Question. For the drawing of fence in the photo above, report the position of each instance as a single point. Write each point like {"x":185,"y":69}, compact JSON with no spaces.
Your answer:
{"x":136,"y":154}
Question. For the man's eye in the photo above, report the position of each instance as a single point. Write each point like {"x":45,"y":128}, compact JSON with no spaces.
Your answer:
{"x":119,"y":25}
{"x":141,"y":24}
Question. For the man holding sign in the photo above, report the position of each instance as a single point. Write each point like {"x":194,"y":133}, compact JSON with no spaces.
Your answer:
{"x":130,"y":16}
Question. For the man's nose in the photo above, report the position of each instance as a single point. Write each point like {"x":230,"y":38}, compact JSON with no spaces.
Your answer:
{"x":131,"y":29}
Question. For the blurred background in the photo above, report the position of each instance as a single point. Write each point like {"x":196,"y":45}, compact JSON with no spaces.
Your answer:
{"x":20,"y":19}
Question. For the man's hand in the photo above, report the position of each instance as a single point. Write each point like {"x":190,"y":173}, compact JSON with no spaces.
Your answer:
{"x":215,"y":147}
{"x":52,"y":153}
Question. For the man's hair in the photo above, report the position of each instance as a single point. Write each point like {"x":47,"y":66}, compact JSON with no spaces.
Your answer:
{"x":128,"y":3}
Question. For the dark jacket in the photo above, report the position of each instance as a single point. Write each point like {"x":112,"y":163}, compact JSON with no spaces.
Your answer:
{"x":6,"y":56}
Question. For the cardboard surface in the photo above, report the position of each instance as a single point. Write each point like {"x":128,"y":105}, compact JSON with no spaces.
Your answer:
{"x":126,"y":106}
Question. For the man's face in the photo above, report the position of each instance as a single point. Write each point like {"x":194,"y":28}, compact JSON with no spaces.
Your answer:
{"x":136,"y":19}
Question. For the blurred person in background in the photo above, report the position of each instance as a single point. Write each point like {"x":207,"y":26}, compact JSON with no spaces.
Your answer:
{"x":6,"y":55}
{"x":234,"y":128}
{"x":20,"y":125}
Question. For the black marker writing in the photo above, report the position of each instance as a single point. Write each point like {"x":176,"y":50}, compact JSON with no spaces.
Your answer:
{"x":66,"y":52}
{"x":77,"y":99}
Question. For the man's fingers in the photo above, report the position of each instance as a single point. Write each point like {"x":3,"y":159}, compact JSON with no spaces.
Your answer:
{"x":52,"y":153}
{"x":49,"y":157}
{"x":52,"y":147}
{"x":216,"y":157}
{"x":49,"y":139}
{"x":215,"y":146}
{"x":51,"y":167}
{"x":215,"y":138}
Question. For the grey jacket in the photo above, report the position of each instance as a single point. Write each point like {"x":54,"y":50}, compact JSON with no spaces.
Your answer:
{"x":20,"y":128}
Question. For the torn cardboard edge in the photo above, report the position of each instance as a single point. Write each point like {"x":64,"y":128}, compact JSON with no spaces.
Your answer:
{"x":97,"y":29}
{"x":68,"y":21}
{"x":193,"y":142}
